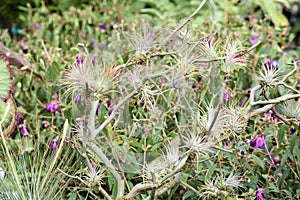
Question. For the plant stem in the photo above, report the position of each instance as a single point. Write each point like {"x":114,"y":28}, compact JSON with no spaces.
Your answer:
{"x":121,"y":102}
{"x":110,"y":167}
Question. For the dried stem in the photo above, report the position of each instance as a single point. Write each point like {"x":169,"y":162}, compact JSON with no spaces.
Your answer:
{"x":111,"y":168}
{"x":121,"y":103}
{"x":185,"y":22}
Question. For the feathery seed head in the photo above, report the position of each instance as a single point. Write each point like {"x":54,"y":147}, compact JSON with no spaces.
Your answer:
{"x":89,"y":80}
{"x":291,"y":109}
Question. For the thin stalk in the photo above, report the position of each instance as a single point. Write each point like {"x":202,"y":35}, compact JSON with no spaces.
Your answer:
{"x":185,"y":22}
{"x":66,"y":124}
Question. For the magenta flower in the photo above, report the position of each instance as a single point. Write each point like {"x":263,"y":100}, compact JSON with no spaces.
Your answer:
{"x":52,"y":106}
{"x":77,"y":98}
{"x":24,"y":130}
{"x":38,"y":26}
{"x":108,"y":103}
{"x":79,"y":60}
{"x":298,"y":83}
{"x":53,"y":145}
{"x":260,"y":195}
{"x":45,"y":124}
{"x":102,"y":27}
{"x":241,"y":102}
{"x":271,"y":154}
{"x":276,"y":159}
{"x":292,"y":131}
{"x":92,"y":44}
{"x":258,"y":142}
{"x":94,"y":59}
{"x":97,"y":109}
{"x":253,"y":38}
{"x":110,"y":111}
{"x":194,"y":86}
{"x":208,"y":43}
{"x":227,"y":96}
{"x":271,"y":64}
{"x":142,"y":103}
{"x":22,"y":127}
{"x":62,"y":183}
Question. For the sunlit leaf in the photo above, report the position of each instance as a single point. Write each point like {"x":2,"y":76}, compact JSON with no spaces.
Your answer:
{"x":5,"y":80}
{"x":271,"y":8}
{"x":10,"y":119}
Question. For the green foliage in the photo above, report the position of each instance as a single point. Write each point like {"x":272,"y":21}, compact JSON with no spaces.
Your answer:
{"x":138,"y":133}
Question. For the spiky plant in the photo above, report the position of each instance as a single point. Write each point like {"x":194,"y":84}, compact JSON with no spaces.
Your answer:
{"x":33,"y":174}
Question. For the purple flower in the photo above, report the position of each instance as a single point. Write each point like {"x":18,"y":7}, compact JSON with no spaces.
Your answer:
{"x":19,"y":118}
{"x":24,"y":130}
{"x":102,"y":27}
{"x":45,"y":124}
{"x":108,"y":103}
{"x":94,"y":59}
{"x":53,"y":145}
{"x":260,"y":195}
{"x":97,"y":109}
{"x":248,"y":92}
{"x":79,"y":60}
{"x":22,"y":47}
{"x":62,"y":183}
{"x":227,"y":96}
{"x":92,"y":44}
{"x":298,"y":83}
{"x":271,"y":64}
{"x":299,"y":144}
{"x":38,"y":26}
{"x":77,"y":98}
{"x":276,"y":159}
{"x":150,"y":33}
{"x":52,"y":107}
{"x":292,"y":131}
{"x":208,"y":43}
{"x":110,"y":111}
{"x":194,"y":86}
{"x":142,"y":103}
{"x":253,"y":38}
{"x":258,"y":142}
{"x":271,"y":154}
{"x":241,"y":102}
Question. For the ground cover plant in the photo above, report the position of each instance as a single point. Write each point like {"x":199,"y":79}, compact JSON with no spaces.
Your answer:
{"x":150,"y":100}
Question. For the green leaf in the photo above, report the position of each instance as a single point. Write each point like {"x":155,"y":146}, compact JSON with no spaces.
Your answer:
{"x":172,"y":192}
{"x":284,"y":158}
{"x":5,"y":80}
{"x":258,"y":161}
{"x":188,"y":194}
{"x":281,"y":132}
{"x":52,"y":71}
{"x":72,"y":196}
{"x":271,"y":8}
{"x":281,"y":180}
{"x":297,"y":153}
{"x":293,"y":142}
{"x":210,"y":172}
